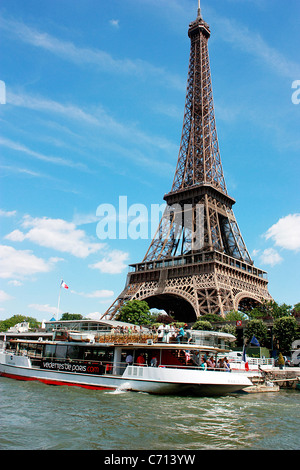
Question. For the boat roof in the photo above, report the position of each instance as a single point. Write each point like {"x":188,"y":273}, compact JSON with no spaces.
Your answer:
{"x":218,"y":334}
{"x":127,"y":345}
{"x":110,"y":323}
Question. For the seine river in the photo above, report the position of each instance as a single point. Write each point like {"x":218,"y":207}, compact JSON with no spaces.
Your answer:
{"x":35,"y":416}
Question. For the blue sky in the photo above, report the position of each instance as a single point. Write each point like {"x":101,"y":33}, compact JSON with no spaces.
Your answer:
{"x":95,"y":94}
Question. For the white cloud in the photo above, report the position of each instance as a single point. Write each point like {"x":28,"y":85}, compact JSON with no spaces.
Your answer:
{"x":7,"y":213}
{"x":102,"y":119}
{"x":253,"y":43}
{"x":15,"y":283}
{"x":21,"y":263}
{"x":115,"y":23}
{"x":39,"y":156}
{"x":4,"y":296}
{"x":97,"y":294}
{"x":270,"y":256}
{"x":82,"y":56}
{"x":286,"y":232}
{"x":94,"y":315}
{"x":43,"y":308}
{"x":56,"y":234}
{"x":112,"y":263}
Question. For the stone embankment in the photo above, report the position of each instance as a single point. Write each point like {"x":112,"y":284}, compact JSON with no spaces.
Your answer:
{"x":288,"y":377}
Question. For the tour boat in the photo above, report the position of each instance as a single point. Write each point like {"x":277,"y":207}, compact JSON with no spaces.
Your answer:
{"x":123,"y":359}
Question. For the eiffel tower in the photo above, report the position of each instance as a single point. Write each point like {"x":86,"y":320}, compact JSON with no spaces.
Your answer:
{"x":197,"y":262}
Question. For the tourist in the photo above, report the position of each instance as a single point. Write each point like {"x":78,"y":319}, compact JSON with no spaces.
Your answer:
{"x":129,"y":359}
{"x":172,"y":333}
{"x":211,"y":363}
{"x":203,"y":365}
{"x":153,"y":362}
{"x":221,"y":363}
{"x":141,"y":360}
{"x":166,"y":334}
{"x":180,"y":335}
{"x":195,"y":358}
{"x":226,"y":365}
{"x":160,"y":332}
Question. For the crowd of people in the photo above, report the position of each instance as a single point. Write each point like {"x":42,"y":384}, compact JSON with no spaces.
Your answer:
{"x":169,"y":333}
{"x":209,"y":363}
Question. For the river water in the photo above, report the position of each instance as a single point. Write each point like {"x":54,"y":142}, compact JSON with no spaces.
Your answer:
{"x":34,"y":416}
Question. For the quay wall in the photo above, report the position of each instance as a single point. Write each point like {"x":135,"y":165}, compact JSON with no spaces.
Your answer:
{"x":285,"y":378}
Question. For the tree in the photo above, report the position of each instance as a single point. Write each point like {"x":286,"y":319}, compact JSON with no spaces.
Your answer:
{"x":211,"y":317}
{"x":228,"y":329}
{"x":15,"y":319}
{"x":258,"y":329}
{"x":285,"y":332}
{"x":136,"y":312}
{"x":296,"y":310}
{"x":202,"y":325}
{"x":275,"y":310}
{"x":234,"y":315}
{"x":256,"y":313}
{"x":71,"y":316}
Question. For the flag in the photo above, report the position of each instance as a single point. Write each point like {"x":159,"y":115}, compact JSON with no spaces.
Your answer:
{"x":63,"y":284}
{"x":244,"y":358}
{"x":254,"y":341}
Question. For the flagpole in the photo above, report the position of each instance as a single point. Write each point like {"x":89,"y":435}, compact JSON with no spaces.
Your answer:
{"x":58,"y":301}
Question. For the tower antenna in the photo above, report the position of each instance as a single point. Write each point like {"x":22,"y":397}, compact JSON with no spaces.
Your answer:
{"x":199,"y":9}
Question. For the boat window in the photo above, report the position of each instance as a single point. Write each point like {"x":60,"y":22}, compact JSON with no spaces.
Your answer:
{"x":97,"y":354}
{"x":49,"y":350}
{"x":61,"y":351}
{"x":74,"y":352}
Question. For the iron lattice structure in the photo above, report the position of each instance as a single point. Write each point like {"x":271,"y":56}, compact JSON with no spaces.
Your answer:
{"x":197,"y":262}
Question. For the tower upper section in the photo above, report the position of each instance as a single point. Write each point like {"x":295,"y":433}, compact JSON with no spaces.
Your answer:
{"x":199,"y":159}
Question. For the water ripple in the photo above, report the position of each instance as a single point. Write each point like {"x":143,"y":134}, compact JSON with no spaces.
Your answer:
{"x":36,"y":416}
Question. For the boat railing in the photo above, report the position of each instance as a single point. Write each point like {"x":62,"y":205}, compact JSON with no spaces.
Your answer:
{"x":182,"y":367}
{"x":255,"y":361}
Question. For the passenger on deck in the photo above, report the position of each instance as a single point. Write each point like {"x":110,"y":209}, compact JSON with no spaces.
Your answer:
{"x":195,"y":358}
{"x":160,"y":332}
{"x":211,"y":363}
{"x":180,"y":335}
{"x":153,"y":362}
{"x":129,"y":359}
{"x":166,"y":334}
{"x":172,"y":333}
{"x":141,"y":360}
{"x":203,"y":365}
{"x":226,"y":364}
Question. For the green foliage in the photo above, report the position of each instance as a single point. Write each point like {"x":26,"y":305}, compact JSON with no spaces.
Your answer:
{"x":71,"y":316}
{"x":202,"y":325}
{"x":228,"y":329}
{"x":234,"y":315}
{"x":297,"y":307}
{"x":279,"y":311}
{"x":258,"y":329}
{"x":14,"y":320}
{"x":211,"y":317}
{"x":285,"y":332}
{"x":256,"y":313}
{"x":136,"y":312}
{"x":270,"y":309}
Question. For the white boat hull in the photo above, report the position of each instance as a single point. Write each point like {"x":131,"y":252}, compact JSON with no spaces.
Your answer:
{"x":158,"y":380}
